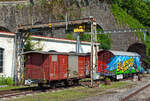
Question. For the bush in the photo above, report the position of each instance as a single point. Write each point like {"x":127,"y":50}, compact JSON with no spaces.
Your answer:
{"x":6,"y":80}
{"x":107,"y":78}
{"x":3,"y":80}
{"x":10,"y":81}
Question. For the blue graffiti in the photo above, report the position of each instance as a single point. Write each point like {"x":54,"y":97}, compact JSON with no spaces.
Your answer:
{"x":112,"y":65}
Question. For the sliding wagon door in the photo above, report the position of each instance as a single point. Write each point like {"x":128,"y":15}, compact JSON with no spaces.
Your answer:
{"x":46,"y":67}
{"x":63,"y":66}
{"x":54,"y":67}
{"x":81,"y":66}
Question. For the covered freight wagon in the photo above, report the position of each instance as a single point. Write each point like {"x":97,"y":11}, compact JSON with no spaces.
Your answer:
{"x":56,"y":67}
{"x":118,"y":64}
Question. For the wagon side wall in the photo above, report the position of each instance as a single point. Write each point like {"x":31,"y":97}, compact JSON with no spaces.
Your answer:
{"x":33,"y":66}
{"x":81,"y":67}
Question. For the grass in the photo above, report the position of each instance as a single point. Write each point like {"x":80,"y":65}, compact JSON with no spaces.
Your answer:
{"x":71,"y":94}
{"x":67,"y":95}
{"x":86,"y":79}
{"x":115,"y":85}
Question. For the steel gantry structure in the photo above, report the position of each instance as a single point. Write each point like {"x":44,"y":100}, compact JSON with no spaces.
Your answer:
{"x":24,"y":31}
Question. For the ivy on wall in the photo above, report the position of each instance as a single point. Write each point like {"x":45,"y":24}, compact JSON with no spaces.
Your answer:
{"x":121,"y":16}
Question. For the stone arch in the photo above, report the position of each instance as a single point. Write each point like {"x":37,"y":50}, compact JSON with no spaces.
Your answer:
{"x":4,"y":29}
{"x":52,"y":51}
{"x":139,"y":48}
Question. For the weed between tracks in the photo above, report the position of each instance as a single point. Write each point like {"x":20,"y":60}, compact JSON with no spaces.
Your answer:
{"x":116,"y":85}
{"x":71,"y":94}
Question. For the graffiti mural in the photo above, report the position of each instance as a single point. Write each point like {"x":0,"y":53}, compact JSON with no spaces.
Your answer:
{"x":124,"y":64}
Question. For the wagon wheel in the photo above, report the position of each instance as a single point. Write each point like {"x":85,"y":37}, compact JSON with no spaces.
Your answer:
{"x":76,"y":82}
{"x":53,"y":85}
{"x":66,"y":83}
{"x":40,"y":85}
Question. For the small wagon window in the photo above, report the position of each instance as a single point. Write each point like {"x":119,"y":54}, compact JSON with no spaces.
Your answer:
{"x":1,"y":59}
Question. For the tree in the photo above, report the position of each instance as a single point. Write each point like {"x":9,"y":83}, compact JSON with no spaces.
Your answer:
{"x":103,"y":39}
{"x":32,"y":46}
{"x":136,"y":8}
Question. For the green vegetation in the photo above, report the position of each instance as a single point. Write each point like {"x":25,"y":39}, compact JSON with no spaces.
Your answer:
{"x":116,"y":85}
{"x":122,"y":17}
{"x":71,"y":94}
{"x":71,"y":36}
{"x":103,"y":39}
{"x":134,"y":14}
{"x":147,"y":60}
{"x":19,"y":6}
{"x":30,"y":46}
{"x":107,"y":78}
{"x":85,"y":80}
{"x":6,"y":81}
{"x":138,"y":9}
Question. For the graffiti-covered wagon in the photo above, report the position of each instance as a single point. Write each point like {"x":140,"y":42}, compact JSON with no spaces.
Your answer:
{"x":118,"y":64}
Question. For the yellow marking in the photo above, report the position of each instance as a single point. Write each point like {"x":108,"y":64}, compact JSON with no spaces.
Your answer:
{"x":78,"y":30}
{"x":50,"y":25}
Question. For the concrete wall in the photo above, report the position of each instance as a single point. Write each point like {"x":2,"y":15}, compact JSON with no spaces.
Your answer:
{"x":7,"y":43}
{"x":61,"y":45}
{"x":121,"y":41}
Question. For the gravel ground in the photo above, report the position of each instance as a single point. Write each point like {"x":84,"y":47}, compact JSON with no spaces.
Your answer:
{"x":118,"y":94}
{"x":142,"y":96}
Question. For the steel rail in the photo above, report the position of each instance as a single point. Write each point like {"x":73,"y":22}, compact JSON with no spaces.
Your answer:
{"x":10,"y":93}
{"x":134,"y":93}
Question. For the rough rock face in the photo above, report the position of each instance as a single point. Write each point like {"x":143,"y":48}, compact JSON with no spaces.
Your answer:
{"x":101,"y":10}
{"x":15,"y":13}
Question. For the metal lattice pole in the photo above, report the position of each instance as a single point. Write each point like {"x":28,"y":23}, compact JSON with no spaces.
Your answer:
{"x":92,"y":45}
{"x":19,"y":58}
{"x":93,"y":49}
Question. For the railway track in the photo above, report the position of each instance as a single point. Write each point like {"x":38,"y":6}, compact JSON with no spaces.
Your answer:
{"x":25,"y":91}
{"x":135,"y":93}
{"x":34,"y":90}
{"x":18,"y":92}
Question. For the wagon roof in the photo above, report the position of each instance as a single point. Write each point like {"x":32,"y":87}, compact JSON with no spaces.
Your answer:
{"x":118,"y":53}
{"x":124,"y":53}
{"x":54,"y":53}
